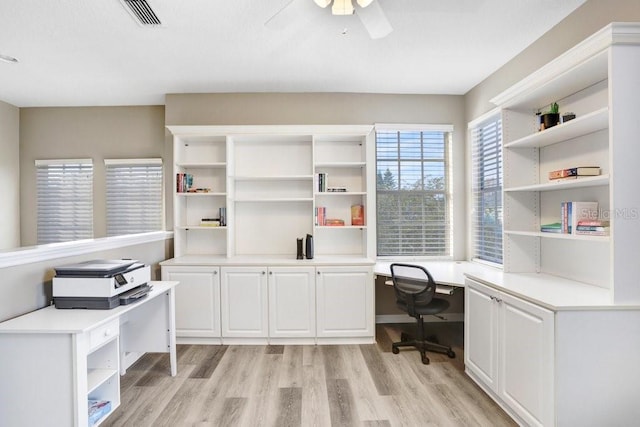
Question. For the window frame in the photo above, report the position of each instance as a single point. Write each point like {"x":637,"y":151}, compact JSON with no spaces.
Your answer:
{"x":115,"y":206}
{"x":77,"y":224}
{"x":490,"y":122}
{"x":447,"y":193}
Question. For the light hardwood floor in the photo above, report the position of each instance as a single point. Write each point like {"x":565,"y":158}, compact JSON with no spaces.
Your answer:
{"x":346,"y":385}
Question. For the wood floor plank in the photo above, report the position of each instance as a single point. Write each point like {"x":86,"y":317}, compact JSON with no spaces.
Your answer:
{"x":263,"y":392}
{"x":209,"y":363}
{"x":378,"y":370}
{"x":245,"y":359}
{"x":333,"y":363}
{"x":315,"y":400}
{"x":232,"y":412}
{"x":292,"y":361}
{"x":289,"y":407}
{"x":342,"y":407}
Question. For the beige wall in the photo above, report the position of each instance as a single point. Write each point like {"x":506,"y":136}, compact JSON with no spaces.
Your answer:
{"x":583,"y":22}
{"x":84,"y":132}
{"x":9,"y":176}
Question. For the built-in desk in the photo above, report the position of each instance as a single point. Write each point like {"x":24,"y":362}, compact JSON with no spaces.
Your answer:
{"x":53,"y":361}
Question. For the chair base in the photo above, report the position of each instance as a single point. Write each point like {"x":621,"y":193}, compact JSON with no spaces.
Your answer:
{"x":422,"y":346}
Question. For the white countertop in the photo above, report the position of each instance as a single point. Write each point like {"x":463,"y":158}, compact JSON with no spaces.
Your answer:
{"x":262,"y":260}
{"x":552,"y":292}
{"x":53,"y":320}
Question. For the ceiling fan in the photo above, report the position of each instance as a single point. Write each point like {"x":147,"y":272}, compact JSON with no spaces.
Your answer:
{"x":369,"y":11}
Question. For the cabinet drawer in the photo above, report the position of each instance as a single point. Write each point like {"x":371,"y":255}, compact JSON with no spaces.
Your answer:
{"x":104,"y":333}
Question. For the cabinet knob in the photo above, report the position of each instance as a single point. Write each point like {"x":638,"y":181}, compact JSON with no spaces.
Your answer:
{"x":107,"y":332}
{"x":264,"y":272}
{"x":318,"y":273}
{"x":215,"y":272}
{"x":270,"y":273}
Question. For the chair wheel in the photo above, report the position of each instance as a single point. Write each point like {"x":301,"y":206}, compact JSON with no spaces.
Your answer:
{"x":425,"y":360}
{"x":395,"y":350}
{"x":451,"y":354}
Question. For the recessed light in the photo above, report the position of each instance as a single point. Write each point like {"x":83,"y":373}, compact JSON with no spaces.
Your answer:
{"x":7,"y":58}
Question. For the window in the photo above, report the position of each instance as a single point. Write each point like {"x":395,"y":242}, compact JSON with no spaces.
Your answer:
{"x":486,"y":138}
{"x":134,"y":196}
{"x":64,"y":199}
{"x":413,"y":200}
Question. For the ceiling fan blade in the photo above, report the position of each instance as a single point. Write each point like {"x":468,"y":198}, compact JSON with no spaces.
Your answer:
{"x":293,"y":11}
{"x":374,"y":20}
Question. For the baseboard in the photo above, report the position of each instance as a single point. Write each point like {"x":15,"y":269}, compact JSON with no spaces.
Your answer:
{"x":405,"y":318}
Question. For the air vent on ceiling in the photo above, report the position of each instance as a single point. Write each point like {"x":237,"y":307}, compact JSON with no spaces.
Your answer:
{"x":142,"y":12}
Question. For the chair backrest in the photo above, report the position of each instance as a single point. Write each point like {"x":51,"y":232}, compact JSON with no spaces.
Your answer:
{"x":413,"y":285}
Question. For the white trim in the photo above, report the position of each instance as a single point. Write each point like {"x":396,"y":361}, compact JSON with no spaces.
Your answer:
{"x":413,"y":127}
{"x":64,"y":162}
{"x":405,"y":318}
{"x":40,"y":253}
{"x":117,"y":162}
{"x":214,"y":130}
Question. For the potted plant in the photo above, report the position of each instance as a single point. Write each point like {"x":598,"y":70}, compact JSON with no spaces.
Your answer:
{"x":550,"y":118}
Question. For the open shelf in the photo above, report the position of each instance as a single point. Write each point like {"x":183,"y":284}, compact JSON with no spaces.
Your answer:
{"x":562,"y":236}
{"x":577,"y":127}
{"x":580,"y":182}
{"x":97,"y":377}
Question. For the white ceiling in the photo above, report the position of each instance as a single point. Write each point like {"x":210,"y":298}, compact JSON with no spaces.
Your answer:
{"x":92,"y":52}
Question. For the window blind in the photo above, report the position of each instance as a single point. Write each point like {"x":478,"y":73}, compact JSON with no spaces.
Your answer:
{"x":413,"y":213}
{"x":134,"y":196}
{"x":64,"y":200}
{"x":487,"y":189}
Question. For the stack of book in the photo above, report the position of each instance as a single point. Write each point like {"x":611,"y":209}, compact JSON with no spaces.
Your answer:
{"x":573,"y":212}
{"x":321,"y":182}
{"x":554,"y":227}
{"x":320,"y":215}
{"x":573,"y":173}
{"x":593,"y":227}
{"x":184,"y":182}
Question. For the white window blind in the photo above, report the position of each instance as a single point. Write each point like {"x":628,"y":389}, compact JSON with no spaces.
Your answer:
{"x":134,"y":196}
{"x":487,"y":189}
{"x":64,"y":199}
{"x":413,"y":200}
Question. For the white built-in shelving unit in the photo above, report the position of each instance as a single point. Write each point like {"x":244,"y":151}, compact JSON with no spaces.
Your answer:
{"x":598,"y":82}
{"x":234,"y":277}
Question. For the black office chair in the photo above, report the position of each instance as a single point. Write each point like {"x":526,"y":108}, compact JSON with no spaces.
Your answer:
{"x":415,"y":288}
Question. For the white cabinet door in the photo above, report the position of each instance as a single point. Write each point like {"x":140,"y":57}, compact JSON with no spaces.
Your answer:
{"x":292,"y":302}
{"x":345,"y":302}
{"x":244,"y":302}
{"x":527,"y":360}
{"x":509,"y":347}
{"x":481,"y":333}
{"x":197,"y":300}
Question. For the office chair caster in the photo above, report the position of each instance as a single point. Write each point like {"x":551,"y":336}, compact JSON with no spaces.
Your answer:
{"x":451,"y":354}
{"x":395,"y":350}
{"x":425,"y":359}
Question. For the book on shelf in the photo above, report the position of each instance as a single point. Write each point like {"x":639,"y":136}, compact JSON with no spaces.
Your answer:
{"x":573,"y":212}
{"x":336,"y":189}
{"x":184,"y":182}
{"x":572,"y":173}
{"x":592,"y":232}
{"x":334,"y":222}
{"x":210,"y":222}
{"x":222,"y":213}
{"x":594,"y":222}
{"x":554,"y":227}
{"x":97,"y":410}
{"x":321,"y":182}
{"x":357,"y":215}
{"x":320,"y":215}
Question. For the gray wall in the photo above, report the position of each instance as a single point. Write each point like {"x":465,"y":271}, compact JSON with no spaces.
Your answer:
{"x":9,"y":176}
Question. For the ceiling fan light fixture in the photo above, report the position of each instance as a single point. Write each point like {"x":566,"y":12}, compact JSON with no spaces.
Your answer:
{"x":342,"y":7}
{"x":323,"y":3}
{"x":364,"y":3}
